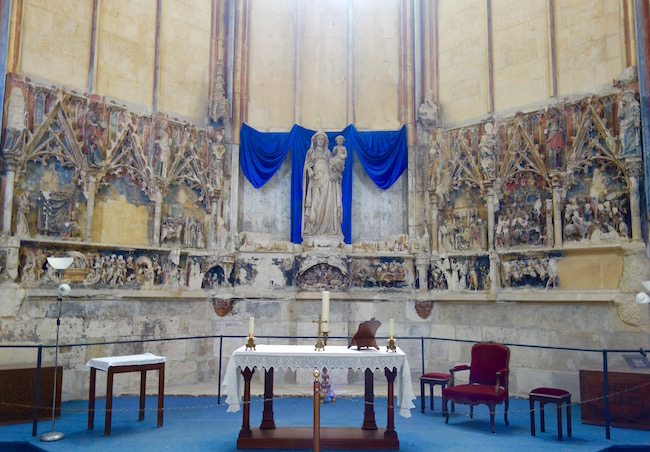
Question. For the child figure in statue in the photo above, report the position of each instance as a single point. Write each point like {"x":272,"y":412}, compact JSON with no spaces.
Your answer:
{"x":325,"y":387}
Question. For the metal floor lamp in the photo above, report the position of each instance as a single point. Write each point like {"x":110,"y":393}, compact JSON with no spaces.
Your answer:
{"x":59,"y":264}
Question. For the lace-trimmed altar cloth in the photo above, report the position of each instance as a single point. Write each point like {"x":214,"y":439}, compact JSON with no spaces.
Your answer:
{"x":304,"y":356}
{"x":127,"y":360}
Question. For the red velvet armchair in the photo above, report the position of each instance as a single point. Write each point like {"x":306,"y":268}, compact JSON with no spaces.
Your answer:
{"x":488,"y":381}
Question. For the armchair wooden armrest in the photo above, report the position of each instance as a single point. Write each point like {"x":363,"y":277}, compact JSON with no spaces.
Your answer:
{"x":504,"y":373}
{"x":457,"y":368}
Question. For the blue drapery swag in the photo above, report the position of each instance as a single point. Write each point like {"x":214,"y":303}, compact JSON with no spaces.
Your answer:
{"x":384,"y":155}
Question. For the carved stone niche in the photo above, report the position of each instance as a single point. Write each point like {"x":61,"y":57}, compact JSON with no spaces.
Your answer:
{"x":323,"y":270}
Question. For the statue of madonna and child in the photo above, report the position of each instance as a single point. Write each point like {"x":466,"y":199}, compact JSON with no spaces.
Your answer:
{"x":322,"y":207}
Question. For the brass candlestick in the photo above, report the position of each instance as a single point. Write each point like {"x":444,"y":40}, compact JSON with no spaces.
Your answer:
{"x":325,"y":334}
{"x":319,"y":343}
{"x":391,"y":345}
{"x":250,"y":345}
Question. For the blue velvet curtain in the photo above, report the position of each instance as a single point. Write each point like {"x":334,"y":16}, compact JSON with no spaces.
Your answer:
{"x":384,"y":155}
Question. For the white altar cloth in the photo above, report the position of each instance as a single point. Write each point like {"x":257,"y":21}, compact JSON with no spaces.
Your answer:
{"x":304,"y":356}
{"x":127,"y":360}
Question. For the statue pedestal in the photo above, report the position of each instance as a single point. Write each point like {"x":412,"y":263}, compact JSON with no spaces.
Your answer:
{"x":324,"y":264}
{"x":323,"y":241}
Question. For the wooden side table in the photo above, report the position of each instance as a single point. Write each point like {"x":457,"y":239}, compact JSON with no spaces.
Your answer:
{"x":432,"y":379}
{"x":550,"y":395}
{"x":122,"y":364}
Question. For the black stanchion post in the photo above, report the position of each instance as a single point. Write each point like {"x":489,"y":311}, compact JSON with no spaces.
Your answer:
{"x":37,"y":389}
{"x":422,"y":353}
{"x":220,"y":356}
{"x":606,"y":394}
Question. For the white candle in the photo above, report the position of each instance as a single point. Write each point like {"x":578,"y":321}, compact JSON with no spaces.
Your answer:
{"x":325,"y":315}
{"x":251,"y":325}
{"x":391,"y":328}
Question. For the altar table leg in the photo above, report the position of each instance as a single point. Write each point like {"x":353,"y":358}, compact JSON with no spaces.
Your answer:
{"x":246,"y":431}
{"x":369,"y":411}
{"x":91,"y":399}
{"x":267,"y":415}
{"x":390,"y":428}
{"x":143,"y":385}
{"x":109,"y":402}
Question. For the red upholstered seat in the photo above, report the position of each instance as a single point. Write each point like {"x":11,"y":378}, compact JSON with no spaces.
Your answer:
{"x":475,"y":394}
{"x":488,"y":381}
{"x":432,"y":379}
{"x":436,"y":375}
{"x":553,"y":392}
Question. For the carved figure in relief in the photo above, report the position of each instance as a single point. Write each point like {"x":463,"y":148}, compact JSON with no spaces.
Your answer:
{"x":428,"y":112}
{"x":171,"y":228}
{"x":437,"y":279}
{"x":54,"y":209}
{"x":94,"y":127}
{"x":337,"y":165}
{"x":486,"y":147}
{"x":16,"y":123}
{"x":472,"y":279}
{"x":31,"y":269}
{"x":162,"y":146}
{"x":464,"y":230}
{"x":218,"y":150}
{"x":434,"y":169}
{"x":629,"y":119}
{"x":22,"y":210}
{"x":320,"y":204}
{"x":555,"y":142}
{"x":529,"y":272}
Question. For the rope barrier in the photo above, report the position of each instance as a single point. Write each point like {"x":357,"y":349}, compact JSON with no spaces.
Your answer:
{"x":259,"y":400}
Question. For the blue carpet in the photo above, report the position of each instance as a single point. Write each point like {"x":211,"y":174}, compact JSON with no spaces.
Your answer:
{"x":198,"y":424}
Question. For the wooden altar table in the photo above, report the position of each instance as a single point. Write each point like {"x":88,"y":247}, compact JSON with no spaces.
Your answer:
{"x":242,"y":365}
{"x":121,"y":364}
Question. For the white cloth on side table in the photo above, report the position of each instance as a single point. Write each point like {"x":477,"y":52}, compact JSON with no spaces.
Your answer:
{"x":127,"y":360}
{"x":304,"y":356}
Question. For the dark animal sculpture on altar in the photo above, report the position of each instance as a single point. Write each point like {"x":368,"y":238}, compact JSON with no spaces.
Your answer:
{"x":365,"y":335}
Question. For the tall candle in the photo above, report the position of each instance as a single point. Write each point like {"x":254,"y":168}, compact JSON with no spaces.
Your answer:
{"x":251,"y":325}
{"x":391,"y":328}
{"x":325,"y":315}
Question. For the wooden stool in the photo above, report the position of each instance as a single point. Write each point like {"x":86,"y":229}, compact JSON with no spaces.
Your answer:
{"x":550,"y":395}
{"x":432,"y":379}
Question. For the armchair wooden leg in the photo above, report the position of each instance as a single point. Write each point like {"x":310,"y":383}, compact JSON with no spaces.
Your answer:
{"x":505,"y":415}
{"x":491,"y":405}
{"x":471,"y":412}
{"x":445,"y":413}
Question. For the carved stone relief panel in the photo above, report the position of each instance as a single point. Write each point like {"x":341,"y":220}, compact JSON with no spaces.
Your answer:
{"x":382,"y":272}
{"x":460,"y":273}
{"x":98,"y":268}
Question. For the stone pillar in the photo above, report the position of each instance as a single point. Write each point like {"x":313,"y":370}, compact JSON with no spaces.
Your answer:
{"x":549,"y":222}
{"x":227,"y":263}
{"x":8,"y":202}
{"x":433,"y":203}
{"x":495,"y":267}
{"x":490,"y":217}
{"x":557,"y":214}
{"x":212,"y":232}
{"x":90,"y":207}
{"x":157,"y":213}
{"x":634,"y":169}
{"x":421,"y":263}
